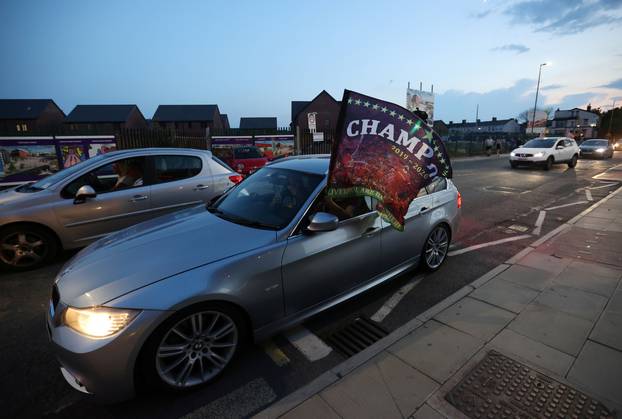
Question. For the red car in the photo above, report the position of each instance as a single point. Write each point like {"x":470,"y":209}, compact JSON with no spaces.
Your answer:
{"x":247,"y":160}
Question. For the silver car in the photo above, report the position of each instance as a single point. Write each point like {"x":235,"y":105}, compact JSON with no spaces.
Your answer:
{"x":169,"y":302}
{"x":107,"y":193}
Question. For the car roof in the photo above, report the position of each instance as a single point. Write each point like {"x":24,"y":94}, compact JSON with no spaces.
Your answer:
{"x":313,"y":163}
{"x":154,"y":150}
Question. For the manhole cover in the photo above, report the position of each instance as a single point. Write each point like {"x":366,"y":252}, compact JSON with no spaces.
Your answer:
{"x":499,"y":387}
{"x":356,"y":336}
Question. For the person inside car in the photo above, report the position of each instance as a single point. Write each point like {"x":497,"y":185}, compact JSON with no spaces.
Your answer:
{"x":129,"y":174}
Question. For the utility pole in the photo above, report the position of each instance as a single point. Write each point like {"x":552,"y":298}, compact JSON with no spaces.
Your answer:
{"x":613,"y":109}
{"x":533,"y":117}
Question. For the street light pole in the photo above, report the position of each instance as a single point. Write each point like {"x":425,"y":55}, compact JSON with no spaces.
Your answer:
{"x":613,"y":109}
{"x":533,"y":118}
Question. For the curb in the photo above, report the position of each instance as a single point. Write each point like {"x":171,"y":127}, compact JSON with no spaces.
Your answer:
{"x":299,"y":396}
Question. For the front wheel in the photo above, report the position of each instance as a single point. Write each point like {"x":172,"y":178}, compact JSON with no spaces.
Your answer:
{"x":435,"y":248}
{"x":193,"y":347}
{"x":548,"y":164}
{"x":24,"y":247}
{"x":573,"y":162}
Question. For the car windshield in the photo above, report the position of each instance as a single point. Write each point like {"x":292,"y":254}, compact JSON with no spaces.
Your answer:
{"x":602,"y":143}
{"x":48,"y":181}
{"x":545,"y":143}
{"x":247,"y":153}
{"x":269,"y":199}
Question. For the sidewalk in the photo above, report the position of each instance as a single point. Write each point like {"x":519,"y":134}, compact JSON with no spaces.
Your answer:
{"x":555,"y":308}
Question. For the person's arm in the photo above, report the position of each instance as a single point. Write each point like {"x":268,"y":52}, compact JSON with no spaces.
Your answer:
{"x":342,"y":213}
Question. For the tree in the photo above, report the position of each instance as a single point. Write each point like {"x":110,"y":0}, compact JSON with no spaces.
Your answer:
{"x":526,"y":115}
{"x":606,"y":122}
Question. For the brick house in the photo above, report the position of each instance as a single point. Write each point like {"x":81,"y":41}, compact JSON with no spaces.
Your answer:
{"x":188,"y":118}
{"x":265,"y":123}
{"x":324,"y":109}
{"x":105,"y":118}
{"x":30,"y":115}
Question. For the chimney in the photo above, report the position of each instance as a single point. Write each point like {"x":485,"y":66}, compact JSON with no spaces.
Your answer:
{"x":464,"y":121}
{"x":479,"y":120}
{"x":494,"y":119}
{"x":451,"y":122}
{"x":589,"y":107}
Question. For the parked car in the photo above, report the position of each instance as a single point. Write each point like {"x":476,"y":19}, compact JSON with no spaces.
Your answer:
{"x":545,"y":152}
{"x":596,"y":148}
{"x":247,"y":159}
{"x":130,"y":311}
{"x":106,"y":193}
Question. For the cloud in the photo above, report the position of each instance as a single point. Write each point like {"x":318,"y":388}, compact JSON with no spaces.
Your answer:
{"x":616,"y":84}
{"x":552,"y":87}
{"x":481,"y":15}
{"x":579,"y":100}
{"x":565,"y":17}
{"x":517,"y":48}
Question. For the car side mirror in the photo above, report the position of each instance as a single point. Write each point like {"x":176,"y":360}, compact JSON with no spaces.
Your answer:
{"x":323,"y":221}
{"x":85,"y":192}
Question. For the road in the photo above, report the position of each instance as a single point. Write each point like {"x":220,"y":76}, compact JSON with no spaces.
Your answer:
{"x":499,"y":204}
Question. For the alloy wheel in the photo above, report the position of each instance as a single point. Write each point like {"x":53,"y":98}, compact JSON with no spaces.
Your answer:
{"x":436,"y":247}
{"x":23,"y":249}
{"x":196,"y":349}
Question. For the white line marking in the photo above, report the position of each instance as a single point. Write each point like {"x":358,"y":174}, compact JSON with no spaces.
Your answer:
{"x":608,"y":185}
{"x":395,"y":299}
{"x":311,"y":346}
{"x":539,"y":222}
{"x":479,"y":246}
{"x":566,"y":205}
{"x":588,"y":195}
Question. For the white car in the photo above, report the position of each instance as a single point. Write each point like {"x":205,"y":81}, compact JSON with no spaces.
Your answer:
{"x":546,"y":152}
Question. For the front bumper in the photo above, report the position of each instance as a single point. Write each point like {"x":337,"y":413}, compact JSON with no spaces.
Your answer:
{"x":591,"y":154}
{"x":104,"y":367}
{"x":529,"y":161}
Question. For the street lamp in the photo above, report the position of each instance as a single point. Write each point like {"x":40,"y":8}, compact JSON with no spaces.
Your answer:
{"x":613,"y":109}
{"x":533,"y":118}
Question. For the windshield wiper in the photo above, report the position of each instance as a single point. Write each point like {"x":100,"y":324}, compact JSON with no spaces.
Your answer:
{"x":242,"y":221}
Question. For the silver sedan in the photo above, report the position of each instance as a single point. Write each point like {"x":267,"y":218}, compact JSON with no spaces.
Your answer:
{"x":107,"y":193}
{"x":170,"y":302}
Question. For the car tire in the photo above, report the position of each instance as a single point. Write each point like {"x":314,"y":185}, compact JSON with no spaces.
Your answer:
{"x":181,"y":354}
{"x":573,"y":161}
{"x":32,"y":247}
{"x":549,"y":163}
{"x":513,"y":165}
{"x":435,"y":248}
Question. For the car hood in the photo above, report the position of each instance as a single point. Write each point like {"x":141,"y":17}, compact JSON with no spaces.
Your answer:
{"x":148,"y":252}
{"x":592,"y":147}
{"x":21,"y":199}
{"x":525,"y":150}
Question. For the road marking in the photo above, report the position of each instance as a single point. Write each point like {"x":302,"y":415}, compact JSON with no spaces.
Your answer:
{"x":608,"y":185}
{"x":275,"y":353}
{"x":566,"y":205}
{"x":311,"y":346}
{"x":493,"y":243}
{"x":395,"y":299}
{"x":539,"y":222}
{"x":588,"y":195}
{"x":239,"y":403}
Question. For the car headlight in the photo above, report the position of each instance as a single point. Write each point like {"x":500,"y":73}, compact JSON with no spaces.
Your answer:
{"x":98,"y":322}
{"x":540,"y":154}
{"x":512,"y":154}
{"x":600,"y":150}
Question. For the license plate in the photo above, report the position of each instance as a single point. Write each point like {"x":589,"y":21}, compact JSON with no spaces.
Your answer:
{"x":521,"y":158}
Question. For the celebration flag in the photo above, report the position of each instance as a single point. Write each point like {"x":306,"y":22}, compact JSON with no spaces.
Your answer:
{"x":384,"y":151}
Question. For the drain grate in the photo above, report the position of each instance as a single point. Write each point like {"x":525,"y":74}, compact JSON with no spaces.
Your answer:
{"x":356,"y":336}
{"x":499,"y":387}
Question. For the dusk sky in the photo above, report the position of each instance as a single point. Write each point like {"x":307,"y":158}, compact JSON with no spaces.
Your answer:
{"x":253,"y":58}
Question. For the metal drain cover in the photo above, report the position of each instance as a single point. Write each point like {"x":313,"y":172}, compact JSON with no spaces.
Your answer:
{"x":499,"y":387}
{"x":356,"y":336}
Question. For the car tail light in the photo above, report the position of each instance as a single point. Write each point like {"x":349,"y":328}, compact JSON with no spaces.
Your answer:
{"x":459,"y":200}
{"x":236,"y":178}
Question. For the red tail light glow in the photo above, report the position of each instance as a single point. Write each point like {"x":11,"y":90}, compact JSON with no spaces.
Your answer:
{"x":459,"y":200}
{"x":236,"y":178}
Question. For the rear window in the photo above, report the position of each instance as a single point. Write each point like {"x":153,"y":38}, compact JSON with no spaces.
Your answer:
{"x":172,"y":168}
{"x":437,"y":185}
{"x":219,"y":166}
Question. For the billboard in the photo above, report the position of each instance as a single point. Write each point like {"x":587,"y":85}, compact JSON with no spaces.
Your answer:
{"x":275,"y":146}
{"x":421,"y":100}
{"x":538,"y":123}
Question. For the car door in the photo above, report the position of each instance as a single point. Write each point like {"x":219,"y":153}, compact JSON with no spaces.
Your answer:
{"x":115,"y":207}
{"x":319,"y":266}
{"x":179,"y":181}
{"x":402,"y":248}
{"x":571,"y":148}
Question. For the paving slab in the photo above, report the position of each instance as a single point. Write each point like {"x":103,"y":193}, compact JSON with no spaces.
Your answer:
{"x":313,"y":408}
{"x":587,"y":281}
{"x":608,"y":330}
{"x":615,"y":304}
{"x":426,"y":412}
{"x":385,"y":387}
{"x":533,"y":278}
{"x":545,"y":262}
{"x":573,"y":301}
{"x":599,"y":369}
{"x":554,"y":328}
{"x":476,"y":318}
{"x":532,"y":352}
{"x":507,"y":295}
{"x":437,"y":350}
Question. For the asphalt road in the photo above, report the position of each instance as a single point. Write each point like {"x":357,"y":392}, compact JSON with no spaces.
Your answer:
{"x":498,"y":203}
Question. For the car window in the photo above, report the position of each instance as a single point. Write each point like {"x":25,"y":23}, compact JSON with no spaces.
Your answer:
{"x":218,"y":166}
{"x":344,"y":208}
{"x":176,"y":167}
{"x":540,"y":143}
{"x":568,"y":143}
{"x":114,"y":176}
{"x":422,"y":192}
{"x":437,"y":185}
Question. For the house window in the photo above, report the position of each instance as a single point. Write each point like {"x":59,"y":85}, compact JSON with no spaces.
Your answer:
{"x":24,"y":127}
{"x":18,"y":127}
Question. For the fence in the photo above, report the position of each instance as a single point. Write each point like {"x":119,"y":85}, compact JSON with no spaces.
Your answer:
{"x":141,"y":138}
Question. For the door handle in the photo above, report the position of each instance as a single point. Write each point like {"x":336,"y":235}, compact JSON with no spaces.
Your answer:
{"x":371,"y":231}
{"x":201,"y":187}
{"x":423,"y":209}
{"x":137,"y":198}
